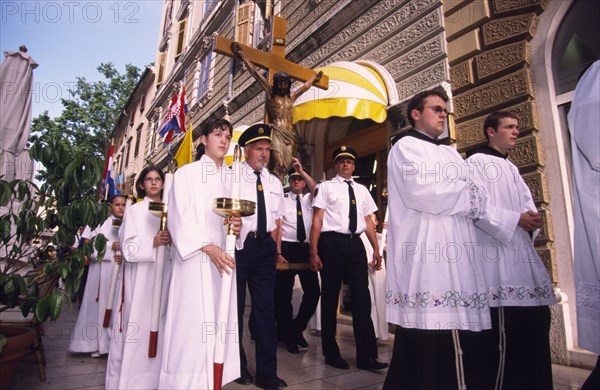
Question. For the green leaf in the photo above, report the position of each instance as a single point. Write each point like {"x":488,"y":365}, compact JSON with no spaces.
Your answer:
{"x":5,"y":230}
{"x":55,"y":302}
{"x":42,"y":308}
{"x":74,"y":165}
{"x":23,"y":190}
{"x":9,"y":287}
{"x":63,"y":270}
{"x":27,"y":306}
{"x":5,"y":193}
{"x":100,"y":246}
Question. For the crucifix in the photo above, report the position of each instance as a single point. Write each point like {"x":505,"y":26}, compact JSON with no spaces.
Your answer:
{"x":280,"y":100}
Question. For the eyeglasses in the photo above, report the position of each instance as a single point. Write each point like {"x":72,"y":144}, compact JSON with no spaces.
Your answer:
{"x":151,"y":179}
{"x":439,"y":109}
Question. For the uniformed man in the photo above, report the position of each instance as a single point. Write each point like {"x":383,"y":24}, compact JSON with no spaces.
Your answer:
{"x":341,"y":212}
{"x":255,"y":255}
{"x":293,"y":255}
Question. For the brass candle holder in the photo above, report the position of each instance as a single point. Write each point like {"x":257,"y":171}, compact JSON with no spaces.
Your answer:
{"x":234,"y":207}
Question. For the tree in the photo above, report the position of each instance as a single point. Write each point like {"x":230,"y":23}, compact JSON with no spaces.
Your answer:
{"x":38,"y":227}
{"x":91,"y":113}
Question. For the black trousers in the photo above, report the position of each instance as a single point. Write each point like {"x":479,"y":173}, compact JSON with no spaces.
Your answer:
{"x":527,"y":363}
{"x":294,"y":252}
{"x":255,"y":267}
{"x":344,"y":258}
{"x":426,"y":360}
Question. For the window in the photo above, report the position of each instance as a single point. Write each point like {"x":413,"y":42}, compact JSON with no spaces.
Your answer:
{"x":131,"y":118}
{"x":128,"y":150}
{"x":162,"y":62}
{"x":138,"y":136}
{"x":576,"y":45}
{"x":180,"y":38}
{"x":208,"y":6}
{"x":168,"y":16}
{"x":204,"y":84}
{"x":153,"y":138}
{"x":244,"y":30}
{"x":143,"y":103}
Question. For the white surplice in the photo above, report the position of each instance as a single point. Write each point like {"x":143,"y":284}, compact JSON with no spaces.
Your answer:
{"x":88,"y":334}
{"x":190,"y":329}
{"x":129,"y":366}
{"x":433,"y":281}
{"x":513,"y":271}
{"x":584,"y":125}
{"x":377,"y":291}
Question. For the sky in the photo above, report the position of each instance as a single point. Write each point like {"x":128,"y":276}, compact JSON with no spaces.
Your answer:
{"x":70,"y":38}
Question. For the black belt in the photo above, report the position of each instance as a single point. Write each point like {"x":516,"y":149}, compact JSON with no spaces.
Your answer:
{"x":259,"y":236}
{"x":296,"y":243}
{"x":352,"y":235}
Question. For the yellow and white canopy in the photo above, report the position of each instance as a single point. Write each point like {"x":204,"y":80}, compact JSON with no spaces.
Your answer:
{"x":234,"y":139}
{"x":354,"y":90}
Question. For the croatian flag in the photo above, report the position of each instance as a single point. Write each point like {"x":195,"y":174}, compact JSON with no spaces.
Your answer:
{"x":174,"y":121}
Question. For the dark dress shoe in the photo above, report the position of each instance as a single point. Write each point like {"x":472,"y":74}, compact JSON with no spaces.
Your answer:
{"x":245,"y":378}
{"x":338,"y":362}
{"x":301,"y":341}
{"x":272,"y":383}
{"x":292,"y":347}
{"x":370,"y":364}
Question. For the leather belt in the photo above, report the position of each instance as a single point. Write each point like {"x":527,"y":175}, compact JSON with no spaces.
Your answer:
{"x":296,"y":243}
{"x":258,"y":236}
{"x":355,"y":235}
{"x":291,"y":266}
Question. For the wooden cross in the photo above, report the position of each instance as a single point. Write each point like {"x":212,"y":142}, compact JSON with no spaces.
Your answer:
{"x":273,"y":61}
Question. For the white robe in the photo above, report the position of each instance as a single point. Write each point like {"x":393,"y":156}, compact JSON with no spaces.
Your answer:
{"x":513,"y":271}
{"x":377,"y":291}
{"x":195,"y":289}
{"x":129,"y":366}
{"x":88,"y":334}
{"x":584,"y":125}
{"x":433,"y":281}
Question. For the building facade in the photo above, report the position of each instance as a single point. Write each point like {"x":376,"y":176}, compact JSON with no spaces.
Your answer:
{"x":518,"y":55}
{"x":131,"y":132}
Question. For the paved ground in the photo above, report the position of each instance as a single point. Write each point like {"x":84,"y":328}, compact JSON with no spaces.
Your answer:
{"x":306,"y":370}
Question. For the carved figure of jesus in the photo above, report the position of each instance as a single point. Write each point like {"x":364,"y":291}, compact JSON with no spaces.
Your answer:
{"x":280,"y":101}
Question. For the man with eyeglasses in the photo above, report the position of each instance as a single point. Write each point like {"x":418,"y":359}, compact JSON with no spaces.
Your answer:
{"x":437,"y":296}
{"x":519,"y":286}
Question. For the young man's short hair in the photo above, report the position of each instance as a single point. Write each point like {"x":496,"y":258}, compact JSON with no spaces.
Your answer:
{"x":493,"y":121}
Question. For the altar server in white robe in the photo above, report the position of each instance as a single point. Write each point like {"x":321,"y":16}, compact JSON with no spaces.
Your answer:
{"x":436,"y":292}
{"x":519,"y":286}
{"x":129,"y":366}
{"x":376,"y":287}
{"x":88,"y":334}
{"x":584,"y":125}
{"x":198,"y":263}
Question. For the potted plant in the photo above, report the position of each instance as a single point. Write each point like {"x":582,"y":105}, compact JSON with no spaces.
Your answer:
{"x":38,"y":231}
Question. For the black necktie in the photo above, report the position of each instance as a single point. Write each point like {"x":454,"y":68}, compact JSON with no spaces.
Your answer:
{"x":300,"y":230}
{"x":352,"y":214}
{"x":261,"y":214}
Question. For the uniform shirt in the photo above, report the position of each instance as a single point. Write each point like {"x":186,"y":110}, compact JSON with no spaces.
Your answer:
{"x":273,"y":192}
{"x":332,"y":196}
{"x":289,"y":218}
